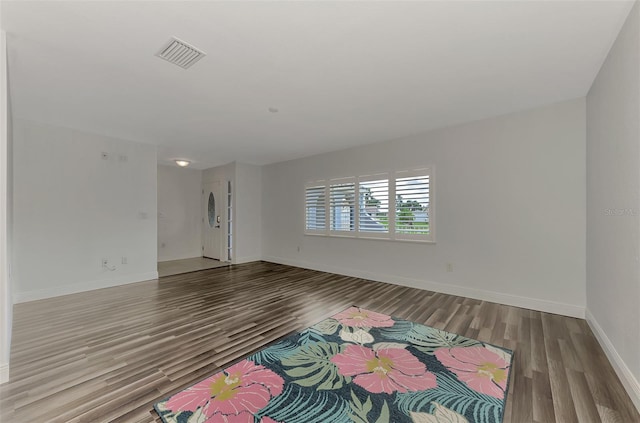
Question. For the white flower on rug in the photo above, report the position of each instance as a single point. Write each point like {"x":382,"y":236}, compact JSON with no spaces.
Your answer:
{"x":359,"y":336}
{"x":441,"y":415}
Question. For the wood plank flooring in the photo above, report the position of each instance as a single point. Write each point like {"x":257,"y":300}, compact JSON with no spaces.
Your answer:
{"x":178,"y":267}
{"x":108,"y":355}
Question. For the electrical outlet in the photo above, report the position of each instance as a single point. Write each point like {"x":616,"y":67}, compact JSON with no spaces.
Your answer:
{"x":124,"y":260}
{"x":107,"y":266}
{"x":449,"y":267}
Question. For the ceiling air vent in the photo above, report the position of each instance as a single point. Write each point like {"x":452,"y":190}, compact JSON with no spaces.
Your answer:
{"x":180,"y":53}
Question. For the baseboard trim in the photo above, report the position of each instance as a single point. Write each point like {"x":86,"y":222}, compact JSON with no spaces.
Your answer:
{"x":21,"y":297}
{"x":546,"y":306}
{"x":243,"y":260}
{"x":630,"y":383}
{"x":4,"y":373}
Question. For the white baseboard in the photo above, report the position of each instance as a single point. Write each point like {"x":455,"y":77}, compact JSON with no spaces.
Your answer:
{"x":21,"y":297}
{"x":242,"y":260}
{"x":4,"y":373}
{"x":547,"y":306}
{"x":629,"y":381}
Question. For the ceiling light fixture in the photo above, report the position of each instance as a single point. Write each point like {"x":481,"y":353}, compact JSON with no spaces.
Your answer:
{"x":182,"y":163}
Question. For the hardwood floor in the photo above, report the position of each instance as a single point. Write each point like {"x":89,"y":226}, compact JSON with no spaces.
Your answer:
{"x":178,"y":267}
{"x":108,"y":355}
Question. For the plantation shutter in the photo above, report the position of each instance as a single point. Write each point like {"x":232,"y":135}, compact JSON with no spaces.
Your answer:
{"x":342,"y":205}
{"x":412,"y":205}
{"x":373,"y":207}
{"x":315,"y":208}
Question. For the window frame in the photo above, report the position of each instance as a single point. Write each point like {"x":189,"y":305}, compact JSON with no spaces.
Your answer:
{"x":390,"y":235}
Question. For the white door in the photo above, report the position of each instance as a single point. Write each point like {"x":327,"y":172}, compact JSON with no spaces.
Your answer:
{"x":213,"y":208}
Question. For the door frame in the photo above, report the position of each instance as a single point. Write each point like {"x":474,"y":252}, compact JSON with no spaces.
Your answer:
{"x":223,"y":204}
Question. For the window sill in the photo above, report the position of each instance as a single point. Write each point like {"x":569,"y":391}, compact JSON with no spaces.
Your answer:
{"x":411,"y":241}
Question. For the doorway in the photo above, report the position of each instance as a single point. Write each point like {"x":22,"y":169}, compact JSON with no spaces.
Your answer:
{"x":213,"y":237}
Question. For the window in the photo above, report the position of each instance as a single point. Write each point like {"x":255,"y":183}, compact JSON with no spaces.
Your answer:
{"x":342,"y":206}
{"x":395,"y":206}
{"x":412,"y":205}
{"x":315,"y":208}
{"x":211,"y":210}
{"x":373,"y":197}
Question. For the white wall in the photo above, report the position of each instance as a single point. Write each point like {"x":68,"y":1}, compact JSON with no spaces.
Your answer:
{"x":179,"y":213}
{"x":72,"y":209}
{"x":6,"y":304}
{"x":510,"y":203}
{"x":613,"y":205}
{"x":248,"y":206}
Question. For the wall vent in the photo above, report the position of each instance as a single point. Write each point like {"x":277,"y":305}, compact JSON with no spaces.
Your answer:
{"x":180,"y":53}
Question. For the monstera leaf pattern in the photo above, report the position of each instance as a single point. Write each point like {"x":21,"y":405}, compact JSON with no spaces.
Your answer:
{"x":327,"y":327}
{"x":455,"y":396}
{"x":299,"y":405}
{"x":311,"y":366}
{"x":428,"y":340}
{"x":425,"y":338}
{"x":275,"y":353}
{"x":358,"y":366}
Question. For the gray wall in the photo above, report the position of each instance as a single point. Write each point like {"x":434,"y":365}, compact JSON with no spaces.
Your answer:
{"x":180,"y":213}
{"x":248,"y":211}
{"x":613,"y":204}
{"x":510,"y":205}
{"x":6,"y":177}
{"x":72,"y":208}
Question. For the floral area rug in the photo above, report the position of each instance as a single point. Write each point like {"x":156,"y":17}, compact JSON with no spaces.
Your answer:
{"x":357,"y":366}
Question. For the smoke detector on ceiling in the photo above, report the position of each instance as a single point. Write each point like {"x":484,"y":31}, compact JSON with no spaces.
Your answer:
{"x":180,"y":53}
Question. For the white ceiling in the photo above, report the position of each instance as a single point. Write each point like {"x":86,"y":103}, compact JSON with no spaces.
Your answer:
{"x":341,"y":74}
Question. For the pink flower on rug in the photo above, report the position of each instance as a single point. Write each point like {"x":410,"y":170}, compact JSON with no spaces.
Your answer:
{"x":359,"y":317}
{"x":234,"y":394}
{"x":481,"y":369}
{"x":386,"y":370}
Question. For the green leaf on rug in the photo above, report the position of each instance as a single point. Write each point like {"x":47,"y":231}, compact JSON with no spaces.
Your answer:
{"x":428,"y":340}
{"x":384,"y":414}
{"x":310,"y":336}
{"x":327,"y":327}
{"x":398,"y":331}
{"x":312,"y":366}
{"x":295,"y":405}
{"x":359,"y":410}
{"x":274,"y":353}
{"x":452,"y":394}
